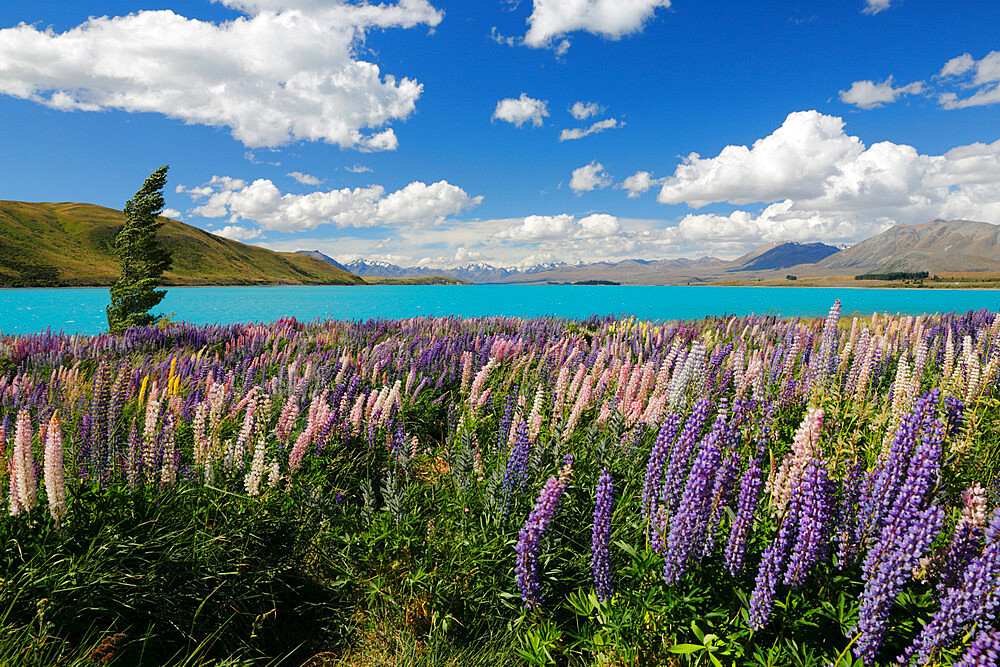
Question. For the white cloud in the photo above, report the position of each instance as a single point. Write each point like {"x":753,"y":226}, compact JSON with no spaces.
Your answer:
{"x":793,"y":162}
{"x":422,"y":203}
{"x":985,"y":78}
{"x":870,"y":95}
{"x":172,"y":213}
{"x":873,"y":7}
{"x":777,"y":222}
{"x":519,"y":111}
{"x":584,"y":110}
{"x":639,"y":183}
{"x":238,"y":233}
{"x":579,"y":133}
{"x":589,"y":177}
{"x":358,"y":169}
{"x":541,"y":227}
{"x":822,"y":184}
{"x":611,"y":19}
{"x":262,"y":203}
{"x":304,"y":179}
{"x":599,"y":225}
{"x":534,"y":228}
{"x":286,"y":71}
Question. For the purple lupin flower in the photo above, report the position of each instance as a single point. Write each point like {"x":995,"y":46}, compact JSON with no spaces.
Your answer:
{"x":772,"y":563}
{"x":604,"y":507}
{"x":815,"y":514}
{"x":689,"y":524}
{"x":907,"y":530}
{"x":848,"y":525}
{"x":530,"y":538}
{"x":886,"y":582}
{"x":974,"y":600}
{"x":750,"y":487}
{"x":885,"y":481}
{"x":516,"y":474}
{"x":984,"y":651}
{"x":680,"y":456}
{"x":657,"y":461}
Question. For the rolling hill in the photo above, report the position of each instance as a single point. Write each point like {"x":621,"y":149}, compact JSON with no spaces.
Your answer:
{"x":67,"y":244}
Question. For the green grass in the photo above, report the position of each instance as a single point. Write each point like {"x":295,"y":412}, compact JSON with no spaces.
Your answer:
{"x":67,"y":244}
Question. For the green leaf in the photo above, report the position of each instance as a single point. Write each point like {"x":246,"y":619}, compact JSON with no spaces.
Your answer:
{"x":684,"y":649}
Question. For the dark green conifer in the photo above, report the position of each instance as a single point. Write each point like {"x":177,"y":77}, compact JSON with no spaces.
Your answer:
{"x":142,"y":258}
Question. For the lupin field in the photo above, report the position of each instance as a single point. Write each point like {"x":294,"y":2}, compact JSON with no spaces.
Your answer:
{"x":732,"y":490}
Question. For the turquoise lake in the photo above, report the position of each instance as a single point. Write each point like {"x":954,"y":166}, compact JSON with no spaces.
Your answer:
{"x":82,"y":310}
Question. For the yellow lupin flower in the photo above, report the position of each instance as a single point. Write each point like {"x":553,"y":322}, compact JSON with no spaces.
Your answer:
{"x":142,"y":389}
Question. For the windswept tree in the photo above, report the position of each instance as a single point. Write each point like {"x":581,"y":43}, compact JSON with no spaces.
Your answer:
{"x":142,"y":258}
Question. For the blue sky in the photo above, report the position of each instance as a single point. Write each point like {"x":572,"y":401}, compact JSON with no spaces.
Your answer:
{"x":429,"y":130}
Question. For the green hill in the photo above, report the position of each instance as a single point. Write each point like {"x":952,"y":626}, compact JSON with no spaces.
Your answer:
{"x":66,"y":244}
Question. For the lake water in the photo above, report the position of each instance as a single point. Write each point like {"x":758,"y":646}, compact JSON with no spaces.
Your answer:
{"x":82,"y":310}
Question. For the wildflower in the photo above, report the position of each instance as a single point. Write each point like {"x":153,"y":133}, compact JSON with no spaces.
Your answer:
{"x":604,"y":507}
{"x":973,"y":600}
{"x":984,"y":651}
{"x":55,"y":485}
{"x":23,"y":483}
{"x":530,"y":538}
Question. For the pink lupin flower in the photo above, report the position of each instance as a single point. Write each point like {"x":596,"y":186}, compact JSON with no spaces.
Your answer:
{"x":358,"y":411}
{"x":256,"y":473}
{"x":23,"y":485}
{"x":805,"y":446}
{"x":288,"y":415}
{"x":582,"y":401}
{"x":55,"y":485}
{"x":168,"y":473}
{"x":535,"y":418}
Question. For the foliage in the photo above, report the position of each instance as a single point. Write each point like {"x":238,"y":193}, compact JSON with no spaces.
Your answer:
{"x":143,"y":259}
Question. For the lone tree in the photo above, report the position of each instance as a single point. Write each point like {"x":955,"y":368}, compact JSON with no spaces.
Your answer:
{"x":142,"y":258}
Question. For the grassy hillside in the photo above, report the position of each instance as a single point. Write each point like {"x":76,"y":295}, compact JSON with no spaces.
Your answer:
{"x":66,"y":244}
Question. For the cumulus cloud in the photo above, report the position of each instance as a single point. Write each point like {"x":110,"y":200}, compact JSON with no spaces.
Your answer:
{"x":873,"y":7}
{"x":777,"y":222}
{"x":588,"y":177}
{"x":261,"y":202}
{"x":584,"y":110}
{"x":819,"y":183}
{"x":579,"y":132}
{"x":171,"y":213}
{"x":638,"y":183}
{"x":358,"y":169}
{"x":238,"y":233}
{"x":564,"y":226}
{"x":985,"y":78}
{"x":611,"y":19}
{"x":521,"y":110}
{"x":870,"y":95}
{"x":285,"y":71}
{"x":304,"y":179}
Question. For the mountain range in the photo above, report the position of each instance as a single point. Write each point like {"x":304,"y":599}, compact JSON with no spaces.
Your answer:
{"x":936,"y":246}
{"x":69,"y":244}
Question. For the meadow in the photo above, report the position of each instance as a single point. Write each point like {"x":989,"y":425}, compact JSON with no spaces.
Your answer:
{"x":488,"y":491}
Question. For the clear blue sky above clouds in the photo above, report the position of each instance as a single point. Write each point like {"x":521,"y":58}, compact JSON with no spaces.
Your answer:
{"x":441,"y":131}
